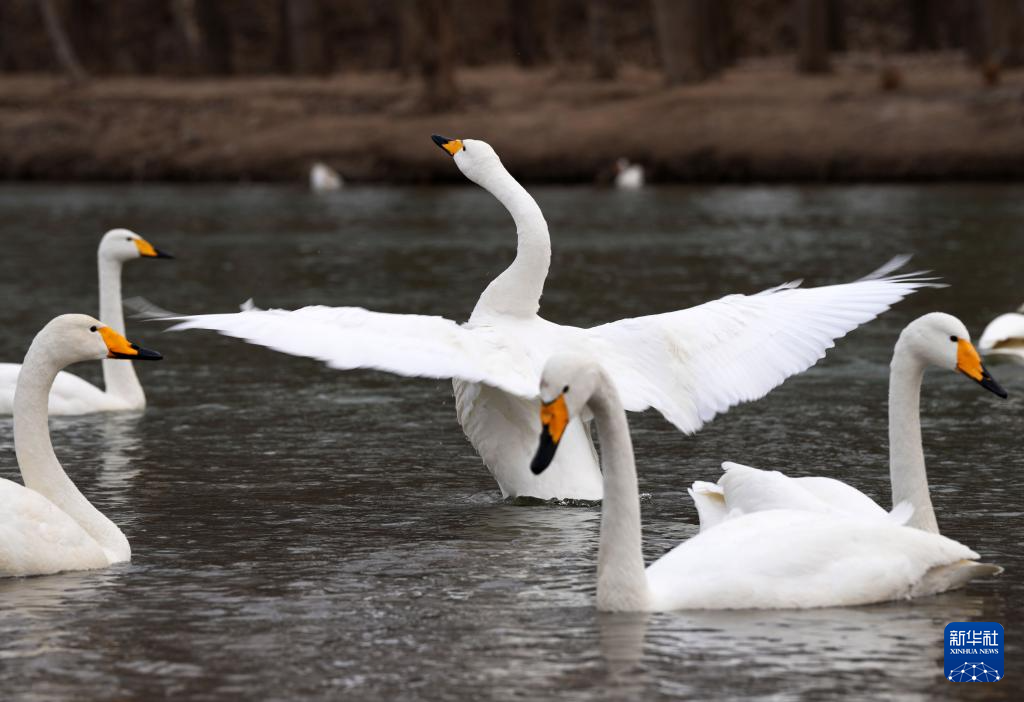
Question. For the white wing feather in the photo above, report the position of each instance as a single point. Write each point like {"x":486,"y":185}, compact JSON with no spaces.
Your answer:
{"x":689,"y":365}
{"x":696,"y":363}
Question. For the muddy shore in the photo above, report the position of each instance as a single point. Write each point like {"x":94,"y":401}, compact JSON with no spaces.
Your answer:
{"x":759,"y":122}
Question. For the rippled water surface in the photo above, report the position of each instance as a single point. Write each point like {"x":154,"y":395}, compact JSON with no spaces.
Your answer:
{"x":302,"y":533}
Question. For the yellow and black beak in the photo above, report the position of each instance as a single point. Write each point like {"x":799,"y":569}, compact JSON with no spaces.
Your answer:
{"x":969,"y":363}
{"x":147,"y":250}
{"x":554,"y":417}
{"x":452,"y":146}
{"x":119,"y":347}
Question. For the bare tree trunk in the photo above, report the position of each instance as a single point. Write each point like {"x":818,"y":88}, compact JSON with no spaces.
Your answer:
{"x":684,"y":40}
{"x":437,"y":55}
{"x":184,"y":12}
{"x":61,"y":45}
{"x":812,"y":36}
{"x":530,"y":30}
{"x":602,"y":45}
{"x":924,"y":25}
{"x":837,"y":25}
{"x":1002,"y":32}
{"x":218,"y":47}
{"x":304,"y":43}
{"x":408,"y":37}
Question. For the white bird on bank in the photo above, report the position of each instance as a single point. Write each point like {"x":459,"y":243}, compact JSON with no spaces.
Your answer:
{"x":1004,"y":336}
{"x":689,"y":365}
{"x":782,"y":558}
{"x":323,"y":178}
{"x":47,"y":525}
{"x":71,"y":394}
{"x":934,"y":340}
{"x":628,"y":176}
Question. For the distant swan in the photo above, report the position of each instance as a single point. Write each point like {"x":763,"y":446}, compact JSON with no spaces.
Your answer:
{"x":936,"y":339}
{"x":689,"y":365}
{"x":323,"y":178}
{"x":628,"y":176}
{"x":71,"y":394}
{"x":1004,"y":337}
{"x":47,"y":525}
{"x":784,"y":558}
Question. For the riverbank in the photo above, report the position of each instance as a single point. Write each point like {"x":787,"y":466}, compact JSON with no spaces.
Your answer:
{"x":759,"y":122}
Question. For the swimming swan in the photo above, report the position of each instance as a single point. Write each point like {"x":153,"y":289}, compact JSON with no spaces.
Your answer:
{"x":1004,"y":336}
{"x":935,"y":339}
{"x":690,"y":365}
{"x":628,"y":176}
{"x":781,"y":558}
{"x":71,"y":394}
{"x":47,"y":525}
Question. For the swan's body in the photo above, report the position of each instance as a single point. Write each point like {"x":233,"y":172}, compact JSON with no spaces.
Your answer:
{"x":628,"y":176}
{"x":71,"y":394}
{"x":935,"y":339}
{"x":47,"y":525}
{"x":1004,"y":337}
{"x":783,"y":558}
{"x":690,"y":365}
{"x":323,"y":178}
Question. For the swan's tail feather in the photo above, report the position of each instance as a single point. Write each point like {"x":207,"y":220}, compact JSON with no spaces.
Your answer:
{"x":709,"y":499}
{"x":952,"y":576}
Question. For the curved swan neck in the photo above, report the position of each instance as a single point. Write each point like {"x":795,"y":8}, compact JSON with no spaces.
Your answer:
{"x":906,"y":452}
{"x":518,"y":289}
{"x":621,"y":577}
{"x":40,"y":469}
{"x":119,"y":378}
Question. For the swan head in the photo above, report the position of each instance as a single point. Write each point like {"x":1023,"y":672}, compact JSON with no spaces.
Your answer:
{"x":71,"y":338}
{"x":566,"y":386}
{"x":124,"y":245}
{"x":942,"y":340}
{"x":476,"y":159}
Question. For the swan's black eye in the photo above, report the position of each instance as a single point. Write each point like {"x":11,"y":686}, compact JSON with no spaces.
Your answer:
{"x":954,"y":339}
{"x":565,"y":389}
{"x":92,"y":329}
{"x":127,"y":238}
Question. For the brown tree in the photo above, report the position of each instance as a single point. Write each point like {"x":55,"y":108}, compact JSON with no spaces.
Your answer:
{"x":62,"y":48}
{"x":436,"y":53}
{"x":602,"y":44}
{"x":302,"y":34}
{"x":686,"y":40}
{"x":1001,"y":32}
{"x":530,"y":31}
{"x":812,"y":28}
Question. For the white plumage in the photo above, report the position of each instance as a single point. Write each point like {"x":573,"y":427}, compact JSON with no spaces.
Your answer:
{"x":689,"y":365}
{"x":778,"y":558}
{"x":70,"y":394}
{"x":47,"y":525}
{"x":1004,"y":337}
{"x":936,"y":340}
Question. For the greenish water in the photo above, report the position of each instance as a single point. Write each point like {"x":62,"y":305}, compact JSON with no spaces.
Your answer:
{"x":301,"y":533}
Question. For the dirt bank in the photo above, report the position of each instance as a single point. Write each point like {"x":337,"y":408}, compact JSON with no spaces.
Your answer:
{"x":760,"y":121}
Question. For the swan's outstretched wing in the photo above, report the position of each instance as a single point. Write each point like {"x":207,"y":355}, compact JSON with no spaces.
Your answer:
{"x":1004,"y":334}
{"x":693,"y":364}
{"x":405,"y":344}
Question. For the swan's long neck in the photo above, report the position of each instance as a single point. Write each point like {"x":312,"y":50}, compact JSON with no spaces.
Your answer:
{"x":118,"y":377}
{"x":621,"y":578}
{"x":518,"y":289}
{"x":906,"y":452}
{"x":40,"y":469}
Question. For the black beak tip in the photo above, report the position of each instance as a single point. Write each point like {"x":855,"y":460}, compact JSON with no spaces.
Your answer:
{"x":439,"y":140}
{"x":162,"y":254}
{"x":148,"y":355}
{"x":545,"y":454}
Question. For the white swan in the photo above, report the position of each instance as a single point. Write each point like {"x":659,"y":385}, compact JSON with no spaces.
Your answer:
{"x":47,"y":525}
{"x":323,"y":178}
{"x":628,"y":176}
{"x":782,"y":558}
{"x":1004,"y":336}
{"x":690,"y":365}
{"x":71,"y":394}
{"x":936,"y":339}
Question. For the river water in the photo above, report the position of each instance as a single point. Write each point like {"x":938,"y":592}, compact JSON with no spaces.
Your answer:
{"x":303,"y":533}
